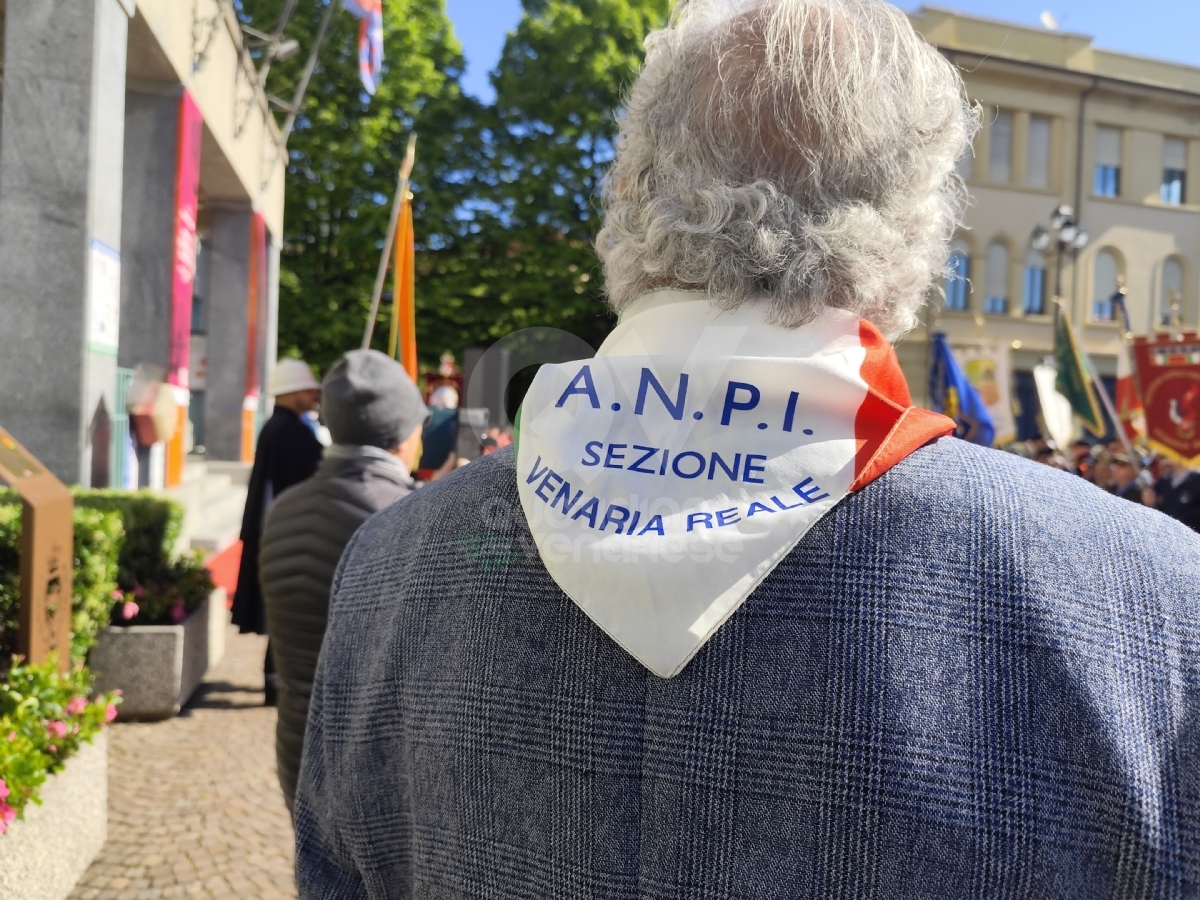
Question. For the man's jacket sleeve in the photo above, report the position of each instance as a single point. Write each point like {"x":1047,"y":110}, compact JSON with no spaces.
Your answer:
{"x":325,"y":867}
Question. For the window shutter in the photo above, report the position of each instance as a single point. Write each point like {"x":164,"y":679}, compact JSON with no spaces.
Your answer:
{"x":1108,"y":147}
{"x":1038,"y":170}
{"x":1000,"y":154}
{"x":997,"y":270}
{"x":1175,"y":154}
{"x":1172,"y":288}
{"x":1106,"y":276}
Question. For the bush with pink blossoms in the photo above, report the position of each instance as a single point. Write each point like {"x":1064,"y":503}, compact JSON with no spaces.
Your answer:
{"x":44,"y":717}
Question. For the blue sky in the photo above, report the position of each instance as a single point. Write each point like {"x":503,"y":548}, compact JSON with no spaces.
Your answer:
{"x":1166,"y":29}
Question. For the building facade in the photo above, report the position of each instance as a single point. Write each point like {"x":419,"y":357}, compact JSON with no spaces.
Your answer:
{"x":141,"y":208}
{"x":1113,"y":136}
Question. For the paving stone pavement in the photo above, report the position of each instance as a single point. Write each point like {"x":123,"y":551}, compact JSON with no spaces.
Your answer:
{"x":194,"y":807}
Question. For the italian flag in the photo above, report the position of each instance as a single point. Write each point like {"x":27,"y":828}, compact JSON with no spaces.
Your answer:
{"x":1127,"y":401}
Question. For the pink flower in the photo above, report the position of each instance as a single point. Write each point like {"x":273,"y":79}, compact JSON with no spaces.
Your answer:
{"x":129,"y":609}
{"x":7,"y":814}
{"x":139,"y":592}
{"x":52,"y":748}
{"x":76,"y":706}
{"x":116,"y":595}
{"x":56,"y":728}
{"x":178,"y":612}
{"x":110,"y":712}
{"x":4,"y":791}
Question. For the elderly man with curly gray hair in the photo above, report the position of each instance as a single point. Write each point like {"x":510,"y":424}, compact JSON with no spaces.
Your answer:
{"x":735,"y":619}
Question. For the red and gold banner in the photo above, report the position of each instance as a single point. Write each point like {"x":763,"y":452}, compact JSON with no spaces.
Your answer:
{"x":256,"y":323}
{"x":1168,"y":374}
{"x":187,"y":189}
{"x":183,"y":271}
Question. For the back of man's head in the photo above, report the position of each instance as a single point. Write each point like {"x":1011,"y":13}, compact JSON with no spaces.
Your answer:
{"x":802,"y":150}
{"x":367,"y":399}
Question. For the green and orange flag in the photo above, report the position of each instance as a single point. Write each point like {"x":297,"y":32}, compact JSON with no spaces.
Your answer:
{"x":1074,"y":380}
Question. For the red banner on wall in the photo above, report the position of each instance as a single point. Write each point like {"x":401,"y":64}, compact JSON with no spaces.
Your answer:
{"x":183,"y":269}
{"x":256,"y":324}
{"x":1168,"y":374}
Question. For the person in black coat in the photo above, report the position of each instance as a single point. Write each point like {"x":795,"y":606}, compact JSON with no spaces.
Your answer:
{"x":1177,"y":493}
{"x":375,"y":416}
{"x":287,"y":453}
{"x":1126,"y":483}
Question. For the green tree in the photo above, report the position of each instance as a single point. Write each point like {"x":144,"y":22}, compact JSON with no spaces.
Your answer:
{"x":527,"y":257}
{"x":504,"y":195}
{"x":343,"y":159}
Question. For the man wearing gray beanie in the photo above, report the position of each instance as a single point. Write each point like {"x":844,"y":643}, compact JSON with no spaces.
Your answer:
{"x":374,"y":414}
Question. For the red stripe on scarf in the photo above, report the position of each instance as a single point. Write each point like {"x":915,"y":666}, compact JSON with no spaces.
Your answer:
{"x":888,"y":427}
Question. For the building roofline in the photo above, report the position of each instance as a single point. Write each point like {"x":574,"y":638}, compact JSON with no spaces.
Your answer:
{"x":945,"y":10}
{"x":1095,"y":57}
{"x":1078,"y":77}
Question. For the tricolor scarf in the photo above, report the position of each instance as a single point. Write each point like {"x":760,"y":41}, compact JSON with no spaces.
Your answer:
{"x":665,"y":478}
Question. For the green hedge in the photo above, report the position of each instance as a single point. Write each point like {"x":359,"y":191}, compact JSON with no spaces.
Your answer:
{"x":99,"y":537}
{"x":152,"y":527}
{"x":164,"y":587}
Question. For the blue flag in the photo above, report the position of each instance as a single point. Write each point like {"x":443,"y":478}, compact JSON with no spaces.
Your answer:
{"x":953,"y":395}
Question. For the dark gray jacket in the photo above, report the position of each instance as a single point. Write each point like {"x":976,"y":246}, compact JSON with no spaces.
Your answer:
{"x":306,"y":531}
{"x":976,"y":677}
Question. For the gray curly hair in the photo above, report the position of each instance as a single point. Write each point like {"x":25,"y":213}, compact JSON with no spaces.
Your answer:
{"x":803,"y":150}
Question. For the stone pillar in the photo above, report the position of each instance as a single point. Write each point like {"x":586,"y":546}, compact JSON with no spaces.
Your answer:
{"x":228,"y":311}
{"x":61,"y":146}
{"x":148,"y":229}
{"x":148,"y":239}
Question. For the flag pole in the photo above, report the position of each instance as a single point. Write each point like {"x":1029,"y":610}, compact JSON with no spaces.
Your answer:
{"x":1118,"y":425}
{"x":397,"y":201}
{"x":1126,"y":332}
{"x":1102,"y":392}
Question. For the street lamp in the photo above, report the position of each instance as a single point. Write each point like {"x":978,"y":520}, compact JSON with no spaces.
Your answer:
{"x":1068,"y":235}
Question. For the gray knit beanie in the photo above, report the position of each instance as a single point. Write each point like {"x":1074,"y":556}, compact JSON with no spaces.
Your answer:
{"x":367,"y":399}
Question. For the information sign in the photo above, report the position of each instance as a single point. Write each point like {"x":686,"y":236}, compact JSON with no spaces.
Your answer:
{"x":47,"y":555}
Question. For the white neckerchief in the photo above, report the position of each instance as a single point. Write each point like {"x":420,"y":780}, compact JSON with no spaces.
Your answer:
{"x":659,"y":502}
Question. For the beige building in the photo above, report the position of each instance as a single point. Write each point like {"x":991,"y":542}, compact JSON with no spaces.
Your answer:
{"x":141,"y":215}
{"x":1117,"y":138}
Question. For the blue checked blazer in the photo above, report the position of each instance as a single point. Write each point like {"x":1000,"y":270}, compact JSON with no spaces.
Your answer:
{"x":975,"y":678}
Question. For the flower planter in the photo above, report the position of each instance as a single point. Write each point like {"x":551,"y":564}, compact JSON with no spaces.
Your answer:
{"x":158,"y":667}
{"x":44,"y":854}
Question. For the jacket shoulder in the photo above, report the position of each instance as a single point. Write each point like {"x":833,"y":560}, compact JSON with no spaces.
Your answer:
{"x":460,"y":504}
{"x":953,"y":486}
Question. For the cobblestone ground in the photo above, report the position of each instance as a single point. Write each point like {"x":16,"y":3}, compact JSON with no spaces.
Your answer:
{"x":194,"y":808}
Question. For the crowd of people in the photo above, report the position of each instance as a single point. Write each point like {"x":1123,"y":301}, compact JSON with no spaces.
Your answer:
{"x":1148,"y":478}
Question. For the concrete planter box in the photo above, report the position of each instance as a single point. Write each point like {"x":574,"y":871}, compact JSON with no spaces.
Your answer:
{"x":44,"y":854}
{"x":158,"y":667}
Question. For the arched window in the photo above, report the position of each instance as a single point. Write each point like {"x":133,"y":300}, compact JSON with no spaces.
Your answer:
{"x":1105,"y":286}
{"x":957,"y":285}
{"x":996,"y":303}
{"x":1172,"y":290}
{"x":1034,"y":300}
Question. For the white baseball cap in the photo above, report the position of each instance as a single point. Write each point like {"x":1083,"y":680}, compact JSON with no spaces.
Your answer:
{"x":444,"y":396}
{"x":291,"y":375}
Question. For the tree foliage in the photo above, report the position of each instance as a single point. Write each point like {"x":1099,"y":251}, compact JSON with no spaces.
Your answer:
{"x":504,"y":194}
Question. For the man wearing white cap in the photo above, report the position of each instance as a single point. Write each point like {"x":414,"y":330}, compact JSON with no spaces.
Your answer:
{"x":287,"y":453}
